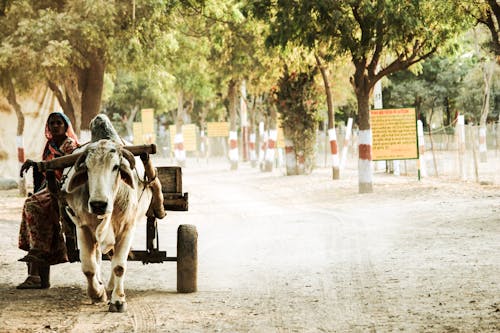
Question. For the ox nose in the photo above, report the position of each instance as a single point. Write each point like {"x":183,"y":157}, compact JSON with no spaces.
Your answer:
{"x":98,"y":207}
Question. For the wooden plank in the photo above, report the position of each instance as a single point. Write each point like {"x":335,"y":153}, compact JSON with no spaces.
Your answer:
{"x":175,"y":201}
{"x":170,"y":178}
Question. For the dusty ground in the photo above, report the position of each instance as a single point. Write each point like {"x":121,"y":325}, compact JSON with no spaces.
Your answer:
{"x":291,"y":254}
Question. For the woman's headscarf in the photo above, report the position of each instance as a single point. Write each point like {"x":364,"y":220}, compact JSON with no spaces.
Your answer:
{"x":51,"y":150}
{"x":69,"y":128}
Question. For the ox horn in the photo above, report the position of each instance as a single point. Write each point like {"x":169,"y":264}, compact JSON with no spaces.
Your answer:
{"x":129,"y":156}
{"x":80,"y":162}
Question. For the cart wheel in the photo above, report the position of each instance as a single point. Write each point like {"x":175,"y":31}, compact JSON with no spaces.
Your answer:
{"x":187,"y":258}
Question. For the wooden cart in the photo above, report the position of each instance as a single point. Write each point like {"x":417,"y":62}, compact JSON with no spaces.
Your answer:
{"x":174,"y":200}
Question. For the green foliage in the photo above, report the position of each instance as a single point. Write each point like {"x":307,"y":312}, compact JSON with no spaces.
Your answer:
{"x":71,"y":42}
{"x":487,"y":14}
{"x":451,"y":82}
{"x":156,"y":48}
{"x":140,"y":91}
{"x":401,"y":32}
{"x":471,"y":95}
{"x":296,"y":101}
{"x":436,"y":87}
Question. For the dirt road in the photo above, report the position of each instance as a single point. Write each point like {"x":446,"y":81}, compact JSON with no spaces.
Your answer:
{"x":291,"y":254}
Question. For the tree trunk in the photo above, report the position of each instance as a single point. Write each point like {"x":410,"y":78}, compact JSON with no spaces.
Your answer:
{"x":81,"y":98}
{"x":262,"y":142}
{"x":179,"y":151}
{"x":434,"y":160}
{"x":363,"y":88}
{"x":488,"y":71}
{"x":271,"y":140}
{"x":11,"y":97}
{"x":252,"y":111}
{"x":332,"y":135}
{"x":244,"y":121}
{"x":69,"y":99}
{"x":91,"y":83}
{"x":129,"y":122}
{"x":233,"y":132}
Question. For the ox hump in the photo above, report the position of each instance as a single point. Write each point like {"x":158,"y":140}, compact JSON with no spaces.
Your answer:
{"x":102,"y":128}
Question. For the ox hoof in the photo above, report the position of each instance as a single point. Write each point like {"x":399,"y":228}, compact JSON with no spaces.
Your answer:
{"x":99,"y":299}
{"x":118,"y":306}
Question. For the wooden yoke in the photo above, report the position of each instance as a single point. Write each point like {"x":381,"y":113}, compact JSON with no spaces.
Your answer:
{"x":69,"y":160}
{"x":142,"y":150}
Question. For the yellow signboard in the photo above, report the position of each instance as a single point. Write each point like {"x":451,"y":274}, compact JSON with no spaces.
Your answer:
{"x":137,"y":130}
{"x":217,"y":129}
{"x":148,"y":121}
{"x":144,"y":131}
{"x":394,"y":133}
{"x":188,"y":136}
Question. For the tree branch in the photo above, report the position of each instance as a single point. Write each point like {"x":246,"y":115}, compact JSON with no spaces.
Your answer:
{"x":400,"y":63}
{"x":59,"y":94}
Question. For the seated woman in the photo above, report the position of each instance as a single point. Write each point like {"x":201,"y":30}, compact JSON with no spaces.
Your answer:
{"x":40,"y":232}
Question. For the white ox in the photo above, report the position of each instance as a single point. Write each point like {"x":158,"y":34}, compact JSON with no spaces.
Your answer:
{"x":106,"y":198}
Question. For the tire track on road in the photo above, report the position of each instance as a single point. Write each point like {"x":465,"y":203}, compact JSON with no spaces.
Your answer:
{"x":143,"y":316}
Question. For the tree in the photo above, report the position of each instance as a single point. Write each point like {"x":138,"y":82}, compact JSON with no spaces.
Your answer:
{"x":297,"y":105}
{"x":18,"y":74}
{"x":236,"y":55}
{"x":400,"y":32}
{"x":437,"y":84}
{"x":331,"y":116}
{"x":491,"y":19}
{"x":189,"y":66}
{"x":77,"y":41}
{"x":135,"y":91}
{"x":486,"y":13}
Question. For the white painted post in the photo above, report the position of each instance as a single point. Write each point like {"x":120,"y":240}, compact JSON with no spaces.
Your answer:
{"x":483,"y":152}
{"x":461,"y":146}
{"x":262,"y":145}
{"x":251,"y":147}
{"x":421,"y":149}
{"x":179,"y":152}
{"x":332,"y":137}
{"x":233,"y":149}
{"x":347,"y":139}
{"x":365,"y":165}
{"x":290,"y":158}
{"x":271,"y":149}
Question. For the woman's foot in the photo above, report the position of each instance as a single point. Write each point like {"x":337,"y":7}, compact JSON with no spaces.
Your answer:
{"x":32,"y":282}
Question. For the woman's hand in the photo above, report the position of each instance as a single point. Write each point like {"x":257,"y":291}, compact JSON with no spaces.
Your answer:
{"x":26,"y":166}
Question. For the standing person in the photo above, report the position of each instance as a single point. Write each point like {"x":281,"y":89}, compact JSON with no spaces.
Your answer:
{"x":40,"y":232}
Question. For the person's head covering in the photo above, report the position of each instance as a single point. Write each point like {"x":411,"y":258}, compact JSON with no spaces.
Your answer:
{"x":69,"y":128}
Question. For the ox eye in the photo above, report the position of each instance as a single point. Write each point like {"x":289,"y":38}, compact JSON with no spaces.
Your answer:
{"x":116,"y":167}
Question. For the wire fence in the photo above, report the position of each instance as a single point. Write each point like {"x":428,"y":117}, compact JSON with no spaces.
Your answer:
{"x":442,"y":156}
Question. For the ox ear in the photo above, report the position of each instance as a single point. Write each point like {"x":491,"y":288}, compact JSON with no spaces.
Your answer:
{"x":79,"y":178}
{"x":126,"y":175}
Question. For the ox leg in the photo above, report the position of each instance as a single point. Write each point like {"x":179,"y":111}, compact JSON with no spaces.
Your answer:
{"x":89,"y":253}
{"x":119,"y":266}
